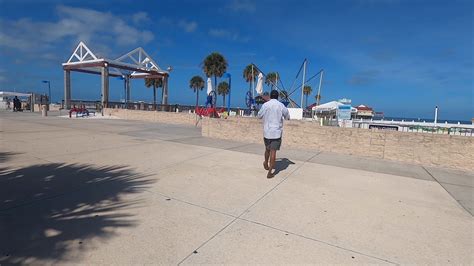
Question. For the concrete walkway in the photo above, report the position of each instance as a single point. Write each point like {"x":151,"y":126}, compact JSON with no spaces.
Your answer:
{"x":123,"y":192}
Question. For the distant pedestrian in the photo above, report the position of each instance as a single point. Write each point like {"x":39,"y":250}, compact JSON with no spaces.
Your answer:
{"x":273,"y":113}
{"x":16,"y":104}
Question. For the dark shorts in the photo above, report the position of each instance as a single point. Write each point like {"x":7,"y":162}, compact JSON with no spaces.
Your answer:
{"x":272,"y":144}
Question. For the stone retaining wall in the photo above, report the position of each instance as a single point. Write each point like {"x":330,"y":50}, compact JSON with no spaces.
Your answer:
{"x":161,"y":117}
{"x":416,"y":148}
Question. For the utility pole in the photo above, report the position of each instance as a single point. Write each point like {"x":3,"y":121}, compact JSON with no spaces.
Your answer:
{"x":319,"y":88}
{"x":302,"y":85}
{"x":49,"y":89}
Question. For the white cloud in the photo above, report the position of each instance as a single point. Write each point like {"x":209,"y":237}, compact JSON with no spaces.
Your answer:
{"x":90,"y":23}
{"x":190,"y":26}
{"x":100,"y":29}
{"x":185,"y":25}
{"x":140,"y":17}
{"x":243,"y":5}
{"x":227,"y":35}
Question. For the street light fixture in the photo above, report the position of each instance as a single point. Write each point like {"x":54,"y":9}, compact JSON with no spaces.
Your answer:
{"x":49,"y":89}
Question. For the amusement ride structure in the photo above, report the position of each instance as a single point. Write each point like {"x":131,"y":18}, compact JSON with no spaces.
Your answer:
{"x":285,"y":95}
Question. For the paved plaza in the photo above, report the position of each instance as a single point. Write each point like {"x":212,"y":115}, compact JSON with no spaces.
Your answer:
{"x":103,"y":191}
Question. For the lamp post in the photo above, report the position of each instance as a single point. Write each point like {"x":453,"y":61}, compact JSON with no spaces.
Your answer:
{"x":165,"y":88}
{"x":49,"y":90}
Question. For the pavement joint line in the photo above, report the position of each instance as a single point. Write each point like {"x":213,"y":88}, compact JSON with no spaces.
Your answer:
{"x":185,"y":138}
{"x":264,"y":225}
{"x":316,"y":240}
{"x":261,"y":224}
{"x":243,"y":212}
{"x":457,"y":202}
{"x":372,"y":171}
{"x":239,"y":145}
{"x":239,"y":217}
{"x":465,"y":186}
{"x":244,"y":145}
{"x":176,"y":140}
{"x":268,"y":226}
{"x":205,"y":242}
{"x":190,"y":203}
{"x":216,"y":148}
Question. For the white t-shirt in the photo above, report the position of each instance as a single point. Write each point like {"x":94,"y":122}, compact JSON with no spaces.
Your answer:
{"x":273,"y":112}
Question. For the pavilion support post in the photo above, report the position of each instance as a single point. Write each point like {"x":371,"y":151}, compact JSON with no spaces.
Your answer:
{"x":67,"y":89}
{"x":128,"y":90}
{"x":105,"y":86}
{"x":164,"y":101}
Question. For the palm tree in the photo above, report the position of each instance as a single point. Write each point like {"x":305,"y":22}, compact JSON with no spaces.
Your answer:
{"x":223,"y":89}
{"x":197,"y":84}
{"x":318,"y":98}
{"x":271,"y":79}
{"x":250,"y":75}
{"x":307,"y":91}
{"x":214,"y":65}
{"x":155,"y":83}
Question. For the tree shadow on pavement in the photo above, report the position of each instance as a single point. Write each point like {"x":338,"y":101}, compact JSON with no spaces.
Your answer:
{"x":281,"y":165}
{"x":48,"y":212}
{"x":5,"y":156}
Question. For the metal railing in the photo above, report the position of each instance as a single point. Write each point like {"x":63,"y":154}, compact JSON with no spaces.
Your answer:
{"x":145,"y":106}
{"x":429,"y":128}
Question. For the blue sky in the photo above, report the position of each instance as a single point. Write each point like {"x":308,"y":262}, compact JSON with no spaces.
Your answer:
{"x":401,"y":57}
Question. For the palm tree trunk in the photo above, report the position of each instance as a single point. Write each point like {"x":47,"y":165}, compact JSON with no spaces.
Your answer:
{"x":223,"y":100}
{"x":154,"y":97}
{"x":215,"y":88}
{"x":306,"y":99}
{"x":197,"y":98}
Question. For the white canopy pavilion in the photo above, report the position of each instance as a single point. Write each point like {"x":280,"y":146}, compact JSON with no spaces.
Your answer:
{"x":134,"y":64}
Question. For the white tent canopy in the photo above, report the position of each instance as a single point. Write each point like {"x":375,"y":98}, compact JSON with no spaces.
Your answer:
{"x":327,"y":106}
{"x":330,"y":106}
{"x":259,"y":87}
{"x":12,"y":94}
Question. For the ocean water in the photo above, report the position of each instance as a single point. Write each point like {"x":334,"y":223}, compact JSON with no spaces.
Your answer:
{"x":427,"y":120}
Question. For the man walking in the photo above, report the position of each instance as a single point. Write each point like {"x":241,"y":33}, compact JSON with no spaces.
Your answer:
{"x":16,"y":104}
{"x":273,"y":112}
